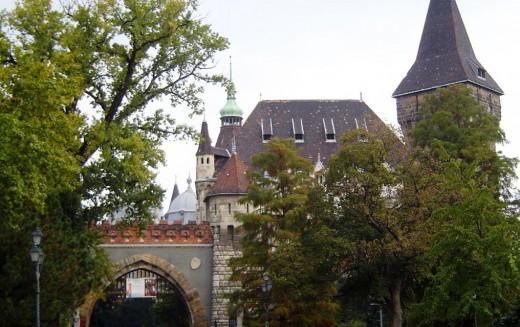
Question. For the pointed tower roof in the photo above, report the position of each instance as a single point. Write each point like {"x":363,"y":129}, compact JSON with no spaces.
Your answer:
{"x":445,"y":54}
{"x":205,"y":141}
{"x":175,"y":192}
{"x":232,"y":178}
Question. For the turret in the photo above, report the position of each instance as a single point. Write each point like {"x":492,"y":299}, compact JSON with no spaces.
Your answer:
{"x":205,"y":156}
{"x":445,"y":57}
{"x":230,"y":117}
{"x":205,"y":168}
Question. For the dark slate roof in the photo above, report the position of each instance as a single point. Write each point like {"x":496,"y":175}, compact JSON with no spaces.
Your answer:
{"x":445,"y":54}
{"x":175,"y":192}
{"x":345,"y":114}
{"x":226,"y":136}
{"x":205,"y":147}
{"x":231,"y":179}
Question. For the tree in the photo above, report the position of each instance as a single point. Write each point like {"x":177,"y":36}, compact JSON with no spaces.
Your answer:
{"x":80,"y":132}
{"x":474,"y":254}
{"x":280,"y":240}
{"x":379,"y":199}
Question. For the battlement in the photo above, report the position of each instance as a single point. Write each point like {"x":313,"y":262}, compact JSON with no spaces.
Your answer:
{"x":162,"y":233}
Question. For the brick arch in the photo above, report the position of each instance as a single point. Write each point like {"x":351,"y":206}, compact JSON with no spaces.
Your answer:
{"x":166,"y":270}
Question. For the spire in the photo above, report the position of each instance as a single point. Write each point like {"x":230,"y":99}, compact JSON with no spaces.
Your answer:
{"x":189,"y":180}
{"x":234,"y":146}
{"x":205,"y":141}
{"x":231,"y":108}
{"x":318,"y":166}
{"x":445,"y":54}
{"x":175,"y":192}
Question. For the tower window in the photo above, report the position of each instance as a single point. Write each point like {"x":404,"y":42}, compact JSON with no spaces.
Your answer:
{"x":481,"y":73}
{"x":229,"y":208}
{"x":215,"y":209}
{"x":207,"y":161}
{"x":202,"y":160}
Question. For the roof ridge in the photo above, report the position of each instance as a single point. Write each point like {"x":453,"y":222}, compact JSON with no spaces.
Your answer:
{"x":311,"y":100}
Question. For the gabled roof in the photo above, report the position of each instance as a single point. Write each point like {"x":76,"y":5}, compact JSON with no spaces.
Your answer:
{"x":205,"y":147}
{"x":445,"y":54}
{"x":315,"y":118}
{"x":231,"y":179}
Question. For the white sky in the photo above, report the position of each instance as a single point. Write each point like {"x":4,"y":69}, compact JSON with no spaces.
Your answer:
{"x":335,"y":49}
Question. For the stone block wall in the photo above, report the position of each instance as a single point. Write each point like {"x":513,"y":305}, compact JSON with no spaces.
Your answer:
{"x":408,"y":105}
{"x":222,"y":286}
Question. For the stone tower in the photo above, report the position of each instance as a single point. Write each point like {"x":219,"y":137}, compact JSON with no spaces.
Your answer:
{"x":205,"y":169}
{"x":445,"y":57}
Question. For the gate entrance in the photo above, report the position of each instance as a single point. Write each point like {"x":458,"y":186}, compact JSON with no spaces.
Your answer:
{"x":158,"y":304}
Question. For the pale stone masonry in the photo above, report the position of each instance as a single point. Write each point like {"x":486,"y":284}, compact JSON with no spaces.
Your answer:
{"x":222,"y":286}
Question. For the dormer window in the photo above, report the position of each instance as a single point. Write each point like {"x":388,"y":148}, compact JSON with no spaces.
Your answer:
{"x":298,"y":131}
{"x":481,"y":73}
{"x":330,"y":131}
{"x":267,"y":130}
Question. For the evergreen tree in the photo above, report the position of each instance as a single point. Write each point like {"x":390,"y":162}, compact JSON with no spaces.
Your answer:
{"x":280,"y":239}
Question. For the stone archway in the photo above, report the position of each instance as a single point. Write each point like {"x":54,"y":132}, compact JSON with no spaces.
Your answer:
{"x":166,"y":270}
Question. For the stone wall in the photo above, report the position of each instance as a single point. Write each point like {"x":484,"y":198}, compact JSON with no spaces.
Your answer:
{"x":222,"y":286}
{"x":408,"y":105}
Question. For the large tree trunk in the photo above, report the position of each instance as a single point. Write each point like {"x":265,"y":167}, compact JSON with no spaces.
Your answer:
{"x":397,"y":310}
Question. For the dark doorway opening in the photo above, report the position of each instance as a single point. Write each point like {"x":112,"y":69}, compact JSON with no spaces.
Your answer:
{"x":167,"y":308}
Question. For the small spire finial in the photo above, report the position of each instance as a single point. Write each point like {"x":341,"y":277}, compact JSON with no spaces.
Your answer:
{"x":231,"y":86}
{"x":361,"y":96}
{"x":234,"y":146}
{"x":189,"y":180}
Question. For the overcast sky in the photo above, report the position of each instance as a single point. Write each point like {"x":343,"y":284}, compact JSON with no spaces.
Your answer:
{"x":336,"y":49}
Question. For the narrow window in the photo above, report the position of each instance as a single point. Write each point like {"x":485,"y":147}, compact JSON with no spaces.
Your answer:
{"x":207,"y":161}
{"x":217,"y":235}
{"x":230,"y":233}
{"x":202,"y":160}
{"x":215,"y":209}
{"x":229,"y":208}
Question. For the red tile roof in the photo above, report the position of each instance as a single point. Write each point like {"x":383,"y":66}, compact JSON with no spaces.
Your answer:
{"x":231,"y":179}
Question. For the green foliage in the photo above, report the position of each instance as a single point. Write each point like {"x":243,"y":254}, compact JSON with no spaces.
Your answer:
{"x":81,"y":135}
{"x":281,"y":240}
{"x":369,"y":186}
{"x":475,"y":250}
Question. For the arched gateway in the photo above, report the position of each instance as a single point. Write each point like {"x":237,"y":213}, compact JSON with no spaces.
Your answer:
{"x":180,"y":270}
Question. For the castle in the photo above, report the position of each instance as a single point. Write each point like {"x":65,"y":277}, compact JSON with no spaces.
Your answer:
{"x":190,"y":248}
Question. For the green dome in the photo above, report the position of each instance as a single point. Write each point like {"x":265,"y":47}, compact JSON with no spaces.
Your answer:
{"x":231,"y":109}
